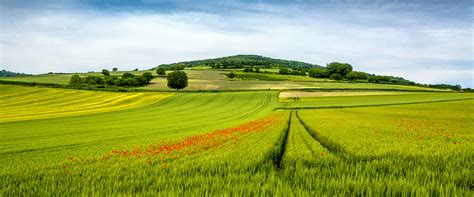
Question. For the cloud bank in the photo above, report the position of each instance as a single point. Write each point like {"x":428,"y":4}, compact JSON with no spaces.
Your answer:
{"x":424,"y":42}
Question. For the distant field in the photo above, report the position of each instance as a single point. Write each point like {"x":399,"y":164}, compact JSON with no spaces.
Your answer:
{"x":214,"y":80}
{"x":206,"y":79}
{"x":293,"y":94}
{"x":348,"y":101}
{"x":26,"y":103}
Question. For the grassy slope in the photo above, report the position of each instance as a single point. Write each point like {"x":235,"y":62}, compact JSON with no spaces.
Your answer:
{"x":394,"y":150}
{"x":47,"y":141}
{"x":38,"y":148}
{"x":25,"y":103}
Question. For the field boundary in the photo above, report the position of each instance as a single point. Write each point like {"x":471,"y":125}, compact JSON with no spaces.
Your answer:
{"x":369,"y":105}
{"x":124,"y":89}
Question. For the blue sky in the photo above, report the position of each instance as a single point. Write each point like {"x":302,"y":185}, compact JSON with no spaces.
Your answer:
{"x":424,"y":41}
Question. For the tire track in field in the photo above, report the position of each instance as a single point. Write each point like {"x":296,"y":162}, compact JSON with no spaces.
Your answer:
{"x":339,"y":151}
{"x":278,"y":156}
{"x":329,"y":145}
{"x":260,"y":108}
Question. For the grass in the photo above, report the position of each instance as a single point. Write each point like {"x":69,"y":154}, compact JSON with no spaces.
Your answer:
{"x":207,"y":79}
{"x":26,"y":103}
{"x":370,"y":100}
{"x":235,"y":143}
{"x":304,"y":94}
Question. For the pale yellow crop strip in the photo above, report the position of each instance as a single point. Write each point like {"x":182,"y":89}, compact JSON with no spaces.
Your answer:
{"x":35,"y":113}
{"x":111,"y":104}
{"x":51,"y":103}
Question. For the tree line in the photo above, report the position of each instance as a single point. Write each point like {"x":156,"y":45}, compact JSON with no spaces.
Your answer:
{"x":242,"y":61}
{"x":176,"y":80}
{"x":125,"y":80}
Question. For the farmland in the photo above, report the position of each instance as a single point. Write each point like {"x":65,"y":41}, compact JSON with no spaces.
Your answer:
{"x":206,"y":79}
{"x":235,"y":142}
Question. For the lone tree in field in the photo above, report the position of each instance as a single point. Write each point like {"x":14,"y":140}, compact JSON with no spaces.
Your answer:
{"x":115,"y":69}
{"x":177,"y":80}
{"x":105,"y":72}
{"x":75,"y":80}
{"x":161,"y":71}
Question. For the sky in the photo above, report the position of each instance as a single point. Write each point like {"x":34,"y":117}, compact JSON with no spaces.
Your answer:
{"x":424,"y":41}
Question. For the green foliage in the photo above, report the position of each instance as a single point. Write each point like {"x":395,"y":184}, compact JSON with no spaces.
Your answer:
{"x":127,"y":79}
{"x":339,"y":68}
{"x":94,"y":80}
{"x":177,"y":67}
{"x":231,"y":75}
{"x":354,"y":75}
{"x":243,"y":61}
{"x":147,"y":76}
{"x":446,"y":86}
{"x":75,"y":80}
{"x":284,"y":71}
{"x":115,"y":69}
{"x":319,"y":73}
{"x":177,"y":80}
{"x":127,"y":75}
{"x":336,"y":76}
{"x":248,"y":69}
{"x":161,"y":71}
{"x":105,"y":72}
{"x":5,"y":73}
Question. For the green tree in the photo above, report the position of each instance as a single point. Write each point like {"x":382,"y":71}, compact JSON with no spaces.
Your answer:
{"x":354,"y":75}
{"x":248,"y":69}
{"x":161,"y":71}
{"x":127,"y":75}
{"x":75,"y":80}
{"x":340,"y":68}
{"x":336,"y":76}
{"x":284,"y":71}
{"x":147,"y":76}
{"x":177,"y":80}
{"x":105,"y":72}
{"x":318,"y":73}
{"x":115,"y":69}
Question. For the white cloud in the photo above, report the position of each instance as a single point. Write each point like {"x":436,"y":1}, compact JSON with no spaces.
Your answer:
{"x":81,"y":40}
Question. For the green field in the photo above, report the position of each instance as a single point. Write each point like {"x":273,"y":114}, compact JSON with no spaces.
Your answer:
{"x":206,"y":79}
{"x":69,"y":142}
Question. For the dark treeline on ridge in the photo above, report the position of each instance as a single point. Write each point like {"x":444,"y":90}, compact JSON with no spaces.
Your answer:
{"x":242,"y":61}
{"x":6,"y":73}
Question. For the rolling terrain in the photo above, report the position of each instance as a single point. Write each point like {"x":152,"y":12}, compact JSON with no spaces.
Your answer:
{"x":366,"y":141}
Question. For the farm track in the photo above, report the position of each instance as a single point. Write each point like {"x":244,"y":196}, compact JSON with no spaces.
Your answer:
{"x":340,"y":152}
{"x":277,"y":159}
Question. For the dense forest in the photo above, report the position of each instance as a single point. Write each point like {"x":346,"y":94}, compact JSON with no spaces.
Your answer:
{"x":242,"y":61}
